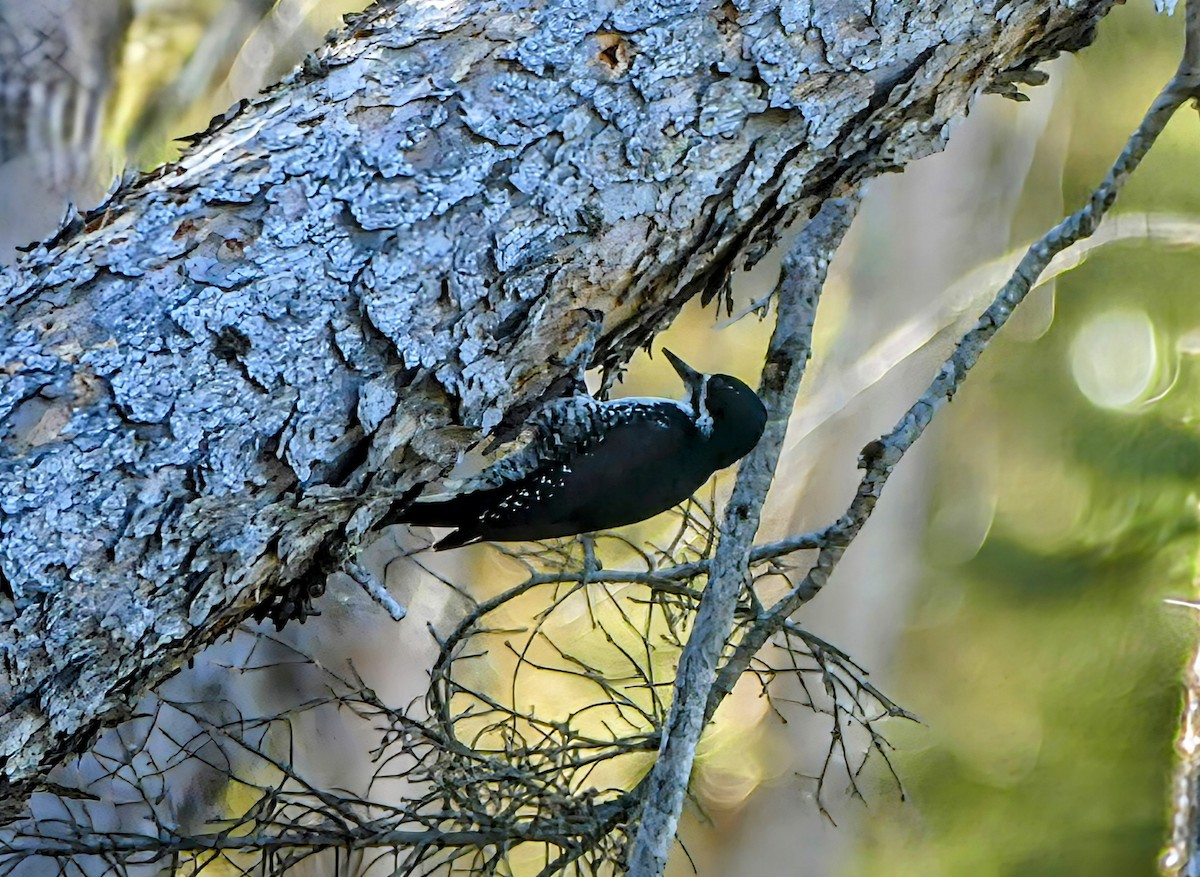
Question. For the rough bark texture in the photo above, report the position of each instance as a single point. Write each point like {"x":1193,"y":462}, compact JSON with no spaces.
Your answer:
{"x":212,"y":380}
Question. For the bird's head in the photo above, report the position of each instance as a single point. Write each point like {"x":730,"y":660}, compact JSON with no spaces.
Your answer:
{"x":728,"y":413}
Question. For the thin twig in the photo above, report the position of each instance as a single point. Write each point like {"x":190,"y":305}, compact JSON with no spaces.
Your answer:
{"x":801,"y":280}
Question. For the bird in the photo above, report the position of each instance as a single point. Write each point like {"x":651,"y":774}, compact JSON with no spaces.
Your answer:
{"x":593,"y":465}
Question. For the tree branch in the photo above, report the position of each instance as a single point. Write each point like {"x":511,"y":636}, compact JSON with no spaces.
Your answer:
{"x":218,"y":380}
{"x":802,"y":278}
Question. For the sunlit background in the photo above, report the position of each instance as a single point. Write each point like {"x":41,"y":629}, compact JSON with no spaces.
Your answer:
{"x":1009,"y":590}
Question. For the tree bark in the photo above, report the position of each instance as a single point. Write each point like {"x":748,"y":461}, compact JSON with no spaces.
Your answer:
{"x":235,"y":365}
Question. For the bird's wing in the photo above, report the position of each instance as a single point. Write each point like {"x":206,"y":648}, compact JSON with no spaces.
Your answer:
{"x":562,"y":429}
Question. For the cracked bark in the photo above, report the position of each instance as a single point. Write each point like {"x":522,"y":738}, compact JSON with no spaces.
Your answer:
{"x":212,"y":381}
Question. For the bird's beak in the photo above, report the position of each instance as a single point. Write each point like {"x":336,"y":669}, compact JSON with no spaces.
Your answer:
{"x":690,"y":376}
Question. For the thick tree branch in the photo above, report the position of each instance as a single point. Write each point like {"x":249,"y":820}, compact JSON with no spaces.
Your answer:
{"x":214,"y":382}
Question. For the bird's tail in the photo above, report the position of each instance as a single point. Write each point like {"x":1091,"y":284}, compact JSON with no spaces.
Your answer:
{"x":455,"y":511}
{"x":429,"y":513}
{"x":442,"y":513}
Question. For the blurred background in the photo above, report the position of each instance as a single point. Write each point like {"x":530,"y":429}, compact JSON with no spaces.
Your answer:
{"x":1009,"y":589}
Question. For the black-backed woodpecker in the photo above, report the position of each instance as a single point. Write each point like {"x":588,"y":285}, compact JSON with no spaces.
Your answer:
{"x":594,"y":465}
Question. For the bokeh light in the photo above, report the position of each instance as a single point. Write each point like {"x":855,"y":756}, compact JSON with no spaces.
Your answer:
{"x":1115,"y":357}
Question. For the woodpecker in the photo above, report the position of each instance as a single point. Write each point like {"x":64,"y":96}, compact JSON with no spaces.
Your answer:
{"x":592,"y":465}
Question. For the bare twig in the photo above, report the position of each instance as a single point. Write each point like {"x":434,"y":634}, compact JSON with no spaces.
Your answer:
{"x":801,"y":280}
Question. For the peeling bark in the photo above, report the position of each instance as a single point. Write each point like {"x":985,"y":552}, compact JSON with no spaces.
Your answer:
{"x":214,"y":380}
